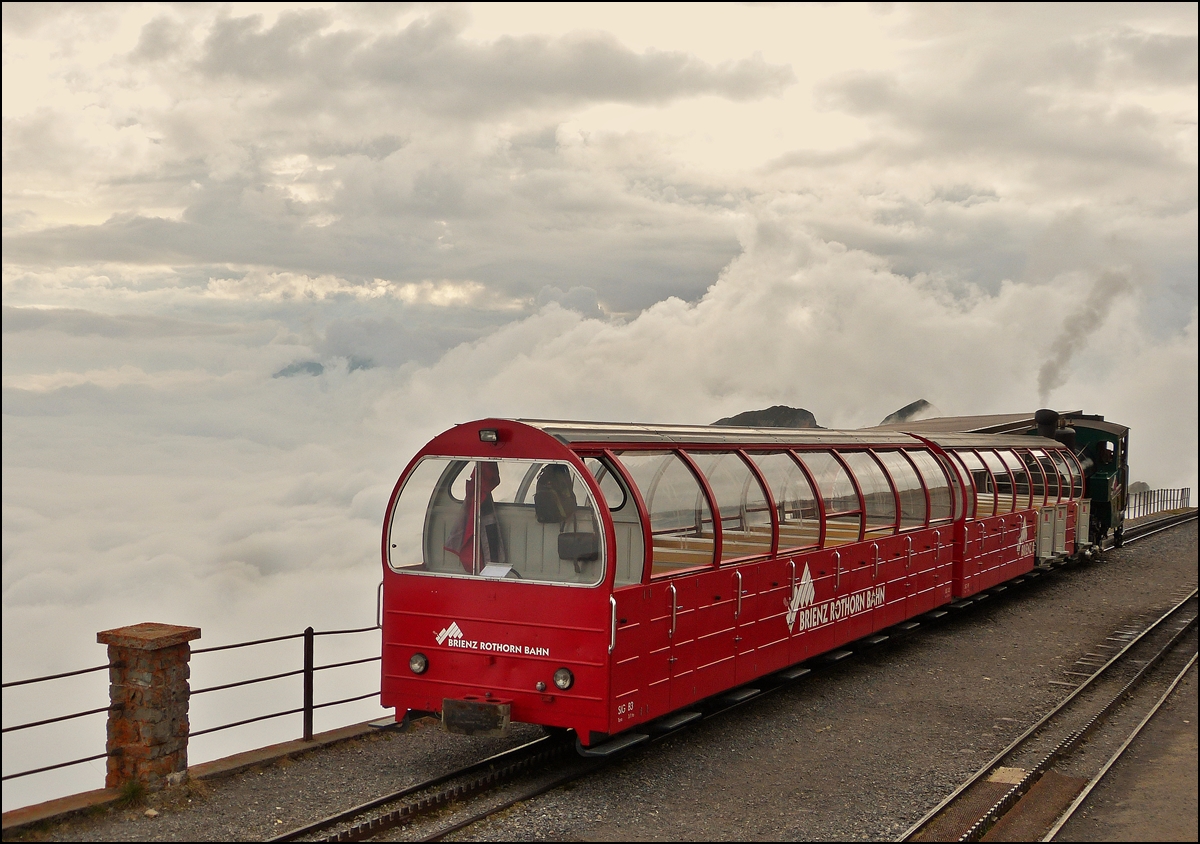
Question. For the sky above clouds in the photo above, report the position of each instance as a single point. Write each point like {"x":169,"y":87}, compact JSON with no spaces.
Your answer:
{"x":256,"y":255}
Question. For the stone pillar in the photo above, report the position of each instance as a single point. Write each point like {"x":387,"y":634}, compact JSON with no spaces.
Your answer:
{"x":148,"y":681}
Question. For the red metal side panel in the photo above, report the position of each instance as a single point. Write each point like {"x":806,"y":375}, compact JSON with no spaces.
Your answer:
{"x":497,"y":639}
{"x":770,"y":637}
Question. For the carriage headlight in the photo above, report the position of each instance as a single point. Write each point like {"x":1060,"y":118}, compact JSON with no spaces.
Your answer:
{"x":563,"y":678}
{"x":418,"y":663}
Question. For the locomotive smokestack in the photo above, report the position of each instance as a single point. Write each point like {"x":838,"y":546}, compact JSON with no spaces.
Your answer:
{"x":1047,"y":422}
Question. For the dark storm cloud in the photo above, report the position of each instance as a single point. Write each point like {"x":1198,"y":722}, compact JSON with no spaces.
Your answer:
{"x":429,"y":65}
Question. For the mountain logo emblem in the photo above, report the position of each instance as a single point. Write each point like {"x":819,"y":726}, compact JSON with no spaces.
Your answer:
{"x":803,"y":594}
{"x":451,"y":632}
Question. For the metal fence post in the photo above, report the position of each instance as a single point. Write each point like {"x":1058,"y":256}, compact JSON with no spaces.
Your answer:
{"x":308,"y":683}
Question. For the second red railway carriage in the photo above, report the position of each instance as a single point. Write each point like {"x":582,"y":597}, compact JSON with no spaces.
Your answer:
{"x":600,"y":576}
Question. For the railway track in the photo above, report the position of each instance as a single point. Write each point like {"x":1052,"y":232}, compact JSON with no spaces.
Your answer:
{"x":443,"y":805}
{"x":1028,"y":791}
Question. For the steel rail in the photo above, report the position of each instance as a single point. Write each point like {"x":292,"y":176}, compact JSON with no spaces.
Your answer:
{"x":557,"y":782}
{"x":467,"y":770}
{"x":1020,"y":740}
{"x":1148,"y":529}
{"x":1087,"y":789}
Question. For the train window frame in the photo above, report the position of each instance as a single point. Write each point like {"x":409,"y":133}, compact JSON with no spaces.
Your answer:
{"x":1064,"y":473}
{"x":1031,"y":462}
{"x":904,"y":462}
{"x":994,"y":461}
{"x":830,"y":517}
{"x":1042,"y":456}
{"x":1015,"y":465}
{"x":609,"y":474}
{"x":441,"y":485}
{"x":963,"y":454}
{"x":667,"y":569}
{"x":718,"y":456}
{"x":965,"y":487}
{"x":931,"y":462}
{"x":871,"y":468}
{"x":779,"y":517}
{"x":631,"y":501}
{"x":1078,"y":484}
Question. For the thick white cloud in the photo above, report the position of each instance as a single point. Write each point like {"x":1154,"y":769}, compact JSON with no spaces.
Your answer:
{"x":251,"y":264}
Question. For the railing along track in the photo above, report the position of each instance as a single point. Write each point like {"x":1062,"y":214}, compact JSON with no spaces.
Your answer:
{"x":970,"y":812}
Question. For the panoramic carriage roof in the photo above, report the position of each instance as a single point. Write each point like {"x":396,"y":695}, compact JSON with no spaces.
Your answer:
{"x":998,"y":423}
{"x":610,"y":433}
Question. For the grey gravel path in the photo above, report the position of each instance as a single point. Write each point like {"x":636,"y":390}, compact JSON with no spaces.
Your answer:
{"x":857,"y":752}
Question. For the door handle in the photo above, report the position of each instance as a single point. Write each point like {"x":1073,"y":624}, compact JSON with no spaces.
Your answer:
{"x":907,"y":552}
{"x":837,"y":562}
{"x":738,"y":611}
{"x":674,"y":594}
{"x":612,"y":637}
{"x":875,"y":549}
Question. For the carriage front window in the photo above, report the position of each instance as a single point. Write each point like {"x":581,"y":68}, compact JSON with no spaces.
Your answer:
{"x":504,"y":519}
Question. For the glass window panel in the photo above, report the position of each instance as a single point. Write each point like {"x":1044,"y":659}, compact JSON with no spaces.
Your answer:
{"x":1064,"y":474}
{"x":908,"y":484}
{"x":741,"y":503}
{"x":840,"y":530}
{"x":956,"y":492}
{"x":1004,"y":488}
{"x":1037,"y":478}
{"x":680,"y":519}
{"x":795,"y":502}
{"x":877,"y":492}
{"x":1020,"y":474}
{"x":629,"y":554}
{"x":985,"y":492}
{"x":940,"y":506}
{"x":424,"y":515}
{"x":496,"y":529}
{"x":610,"y":484}
{"x":1051,"y":474}
{"x":1076,"y":475}
{"x":834,"y":484}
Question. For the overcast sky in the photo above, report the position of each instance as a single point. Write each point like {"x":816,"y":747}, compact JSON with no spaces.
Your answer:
{"x":256,"y":256}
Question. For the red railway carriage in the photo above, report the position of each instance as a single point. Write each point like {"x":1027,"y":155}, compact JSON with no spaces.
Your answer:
{"x":599,"y":576}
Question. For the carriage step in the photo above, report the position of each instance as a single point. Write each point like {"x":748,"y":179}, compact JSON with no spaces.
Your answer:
{"x":936,"y":614}
{"x":794,"y":673}
{"x":738,"y":695}
{"x":876,"y":639}
{"x":836,"y":655}
{"x":612,"y":746}
{"x":908,"y":625}
{"x":674,"y":722}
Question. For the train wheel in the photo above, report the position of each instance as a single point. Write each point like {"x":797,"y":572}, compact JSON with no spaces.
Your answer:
{"x":1118,"y":537}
